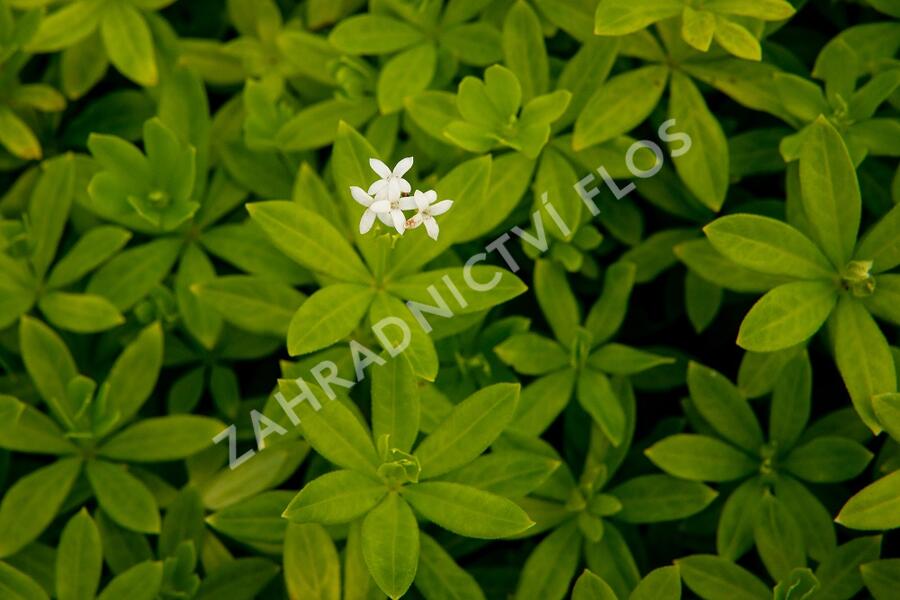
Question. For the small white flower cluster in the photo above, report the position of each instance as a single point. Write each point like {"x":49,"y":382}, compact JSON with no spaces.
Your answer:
{"x":388,"y":197}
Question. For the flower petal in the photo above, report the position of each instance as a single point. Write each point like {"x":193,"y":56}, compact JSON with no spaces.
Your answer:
{"x":366,"y":222}
{"x":420,"y":200}
{"x":441,"y":207}
{"x":403,"y":166}
{"x":432,"y":228}
{"x":378,"y":188}
{"x":404,"y":186}
{"x":408,"y":203}
{"x":361,"y":196}
{"x":379,"y":167}
{"x":399,"y":220}
{"x":381,"y":206}
{"x":385,"y":217}
{"x":393,"y":187}
{"x":430,"y":196}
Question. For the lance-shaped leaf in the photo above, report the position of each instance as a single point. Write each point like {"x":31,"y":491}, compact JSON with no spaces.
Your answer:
{"x":162,"y":438}
{"x":467,"y":511}
{"x":311,"y":565}
{"x":468,"y":430}
{"x":124,"y":497}
{"x":621,"y":17}
{"x":876,"y":506}
{"x":309,"y":239}
{"x":830,"y":192}
{"x":438,"y":575}
{"x":704,"y":167}
{"x":327,"y":317}
{"x":654,"y":498}
{"x":79,"y":560}
{"x":31,"y":503}
{"x":336,"y":497}
{"x":787,"y":315}
{"x":768,"y":246}
{"x":700,"y":458}
{"x":134,"y":374}
{"x":390,"y":545}
{"x":828,"y":459}
{"x":723,"y":406}
{"x":26,"y":429}
{"x":395,"y":403}
{"x":863,"y":358}
{"x":778,"y":538}
{"x":716,"y":578}
{"x":141,"y":582}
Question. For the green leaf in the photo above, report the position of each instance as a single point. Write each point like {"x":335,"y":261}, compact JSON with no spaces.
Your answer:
{"x":327,"y":317}
{"x":440,"y":578}
{"x":734,"y":534}
{"x":373,"y":34}
{"x":311,"y":566}
{"x":590,"y":587}
{"x":697,"y":27}
{"x":247,"y":247}
{"x":611,"y":559}
{"x":90,"y":251}
{"x":704,"y":168}
{"x":863,"y":358}
{"x":607,"y":314}
{"x":129,"y":276}
{"x":597,"y":397}
{"x":476,"y":44}
{"x":395,"y":403}
{"x":778,"y":538}
{"x":256,"y":304}
{"x":620,"y":17}
{"x":881,"y":577}
{"x":32,"y":502}
{"x":663,"y":583}
{"x":505,"y":287}
{"x":542,"y":401}
{"x":17,"y":585}
{"x":239,"y":579}
{"x":390,"y":545}
{"x":508,"y":473}
{"x":524,"y":51}
{"x":655,"y":498}
{"x":404,"y":76}
{"x":619,"y":105}
{"x":128,"y":43}
{"x":196,"y":268}
{"x":710,"y":264}
{"x":723,"y":406}
{"x":123,"y":497}
{"x":468,"y":430}
{"x":49,"y":363}
{"x":814,"y":520}
{"x":336,"y":497}
{"x":830,"y":192}
{"x":141,"y":582}
{"x":769,"y":246}
{"x":791,"y":401}
{"x":887,"y":410}
{"x":700,"y":458}
{"x":26,"y":429}
{"x":134,"y":374}
{"x":532,"y":354}
{"x":550,"y":567}
{"x":840,"y":573}
{"x":66,"y":26}
{"x":465,"y":510}
{"x":309,"y":239}
{"x":81,"y":313}
{"x":618,"y":359}
{"x":556,"y":300}
{"x":420,"y":352}
{"x":336,"y":433}
{"x":162,"y":438}
{"x":880,"y":244}
{"x":736,"y":39}
{"x":714,"y":578}
{"x":828,"y":459}
{"x":79,"y":560}
{"x":876,"y":506}
{"x":49,"y":210}
{"x":787,"y":315}
{"x":17,"y":137}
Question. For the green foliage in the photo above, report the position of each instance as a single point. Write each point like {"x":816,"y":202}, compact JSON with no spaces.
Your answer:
{"x":449,"y":299}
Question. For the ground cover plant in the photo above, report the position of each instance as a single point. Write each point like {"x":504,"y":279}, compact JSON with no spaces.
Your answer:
{"x":449,"y":299}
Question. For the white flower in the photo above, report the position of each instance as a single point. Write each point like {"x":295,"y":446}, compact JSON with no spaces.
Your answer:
{"x":391,"y":185}
{"x":428,"y":210}
{"x":368,"y":218}
{"x":388,"y":212}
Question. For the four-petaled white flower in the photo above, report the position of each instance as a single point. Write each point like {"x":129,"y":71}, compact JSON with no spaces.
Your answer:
{"x":427,"y":211}
{"x":391,"y":185}
{"x":387,"y":198}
